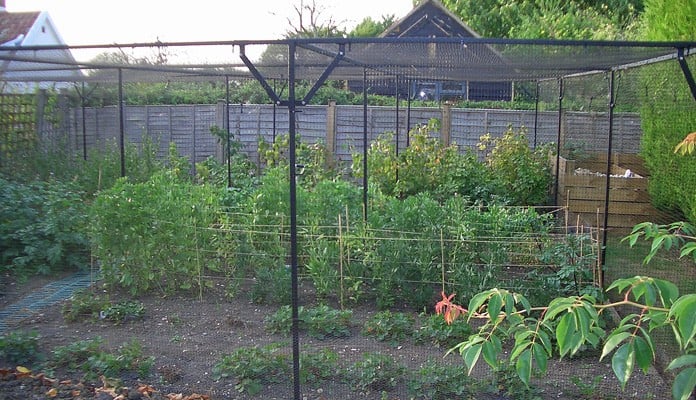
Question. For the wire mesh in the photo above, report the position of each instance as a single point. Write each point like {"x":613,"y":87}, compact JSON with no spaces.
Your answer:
{"x":589,"y":102}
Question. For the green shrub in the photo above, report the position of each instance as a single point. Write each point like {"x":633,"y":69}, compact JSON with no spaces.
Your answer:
{"x":271,"y":285}
{"x":523,"y":174}
{"x":84,"y":304}
{"x":154,"y":235}
{"x":316,"y":367}
{"x":43,"y":228}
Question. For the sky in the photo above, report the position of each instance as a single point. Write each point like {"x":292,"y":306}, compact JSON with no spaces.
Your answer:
{"x":88,"y":22}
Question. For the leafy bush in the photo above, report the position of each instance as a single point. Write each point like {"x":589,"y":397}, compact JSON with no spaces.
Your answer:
{"x":319,"y":366}
{"x":271,"y":285}
{"x":84,"y":304}
{"x":43,"y":227}
{"x":153,"y":234}
{"x":524,"y":174}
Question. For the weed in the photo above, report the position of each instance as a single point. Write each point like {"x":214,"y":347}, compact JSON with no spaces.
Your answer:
{"x":319,"y":322}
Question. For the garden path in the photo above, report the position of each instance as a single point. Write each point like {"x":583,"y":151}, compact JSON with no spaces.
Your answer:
{"x":43,"y":297}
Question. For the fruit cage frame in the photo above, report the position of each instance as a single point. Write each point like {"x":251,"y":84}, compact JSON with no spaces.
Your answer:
{"x":353,"y":60}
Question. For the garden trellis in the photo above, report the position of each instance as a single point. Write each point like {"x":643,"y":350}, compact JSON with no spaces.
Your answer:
{"x":587,"y":76}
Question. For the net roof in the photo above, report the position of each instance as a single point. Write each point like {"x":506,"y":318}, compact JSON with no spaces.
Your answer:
{"x":454,"y":59}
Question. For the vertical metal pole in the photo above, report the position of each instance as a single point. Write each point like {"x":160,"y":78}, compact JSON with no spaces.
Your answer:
{"x":293,"y":224}
{"x":84,"y":121}
{"x":227,"y":130}
{"x":408,"y":114}
{"x":121,"y":119}
{"x":274,"y":113}
{"x":396,"y":126}
{"x":536,"y":112}
{"x":365,"y":145}
{"x":558,"y":138}
{"x":612,"y":103}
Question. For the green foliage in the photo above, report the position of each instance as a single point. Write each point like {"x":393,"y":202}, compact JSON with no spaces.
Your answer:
{"x":75,"y":356}
{"x":681,"y":235}
{"x":434,"y":330}
{"x":524,"y":174}
{"x":84,"y":304}
{"x":123,"y":311}
{"x":272,"y":285}
{"x":533,"y":19}
{"x":574,"y":322}
{"x":316,"y":367}
{"x":375,"y":373}
{"x":435,"y":381}
{"x":320,"y":322}
{"x":388,"y":326}
{"x":252,"y":367}
{"x":127,"y":358}
{"x":43,"y":228}
{"x":149,"y":235}
{"x":667,"y":20}
{"x":21,"y":348}
{"x":571,"y":261}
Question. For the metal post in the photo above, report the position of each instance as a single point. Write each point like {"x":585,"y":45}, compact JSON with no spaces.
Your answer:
{"x":612,"y":102}
{"x":558,"y":138}
{"x":536,"y":112}
{"x":408,"y":113}
{"x":396,"y":126}
{"x":365,"y":145}
{"x":227,"y":130}
{"x":293,"y":225}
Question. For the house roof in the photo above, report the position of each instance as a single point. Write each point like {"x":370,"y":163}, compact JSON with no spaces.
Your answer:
{"x":429,"y":19}
{"x":14,"y":24}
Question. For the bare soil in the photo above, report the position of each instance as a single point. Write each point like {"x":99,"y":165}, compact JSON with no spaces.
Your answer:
{"x":187,"y":336}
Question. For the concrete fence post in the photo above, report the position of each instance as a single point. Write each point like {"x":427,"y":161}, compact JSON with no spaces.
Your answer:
{"x":331,"y":132}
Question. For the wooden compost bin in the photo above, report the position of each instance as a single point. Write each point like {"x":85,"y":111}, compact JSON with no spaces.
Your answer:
{"x":582,"y":184}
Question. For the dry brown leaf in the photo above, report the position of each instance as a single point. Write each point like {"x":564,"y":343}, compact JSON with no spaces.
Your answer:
{"x":75,"y":393}
{"x":52,"y":393}
{"x":175,"y":396}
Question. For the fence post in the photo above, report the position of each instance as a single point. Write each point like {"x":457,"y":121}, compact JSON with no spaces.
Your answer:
{"x":446,"y":135}
{"x":331,"y":132}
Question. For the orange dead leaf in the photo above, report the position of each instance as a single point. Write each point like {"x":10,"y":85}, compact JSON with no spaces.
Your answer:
{"x":450,"y":311}
{"x":688,"y":145}
{"x":175,"y":396}
{"x":52,"y":393}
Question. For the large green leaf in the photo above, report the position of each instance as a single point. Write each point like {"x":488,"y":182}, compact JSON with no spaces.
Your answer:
{"x":524,"y":366}
{"x":684,"y":384}
{"x":613,"y":340}
{"x":623,"y":363}
{"x":684,"y":312}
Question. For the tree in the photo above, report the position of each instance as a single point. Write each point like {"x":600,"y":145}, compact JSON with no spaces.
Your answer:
{"x":574,"y":321}
{"x":371,"y":28}
{"x":548,"y":19}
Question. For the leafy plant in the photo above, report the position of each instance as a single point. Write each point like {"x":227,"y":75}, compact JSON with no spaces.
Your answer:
{"x":21,"y":348}
{"x":320,"y":322}
{"x":272,"y":285}
{"x":392,"y":327}
{"x":253,"y":366}
{"x":435,"y":381}
{"x":84,"y":304}
{"x":151,"y":235}
{"x":524,"y":174}
{"x":319,"y":366}
{"x":375,"y":372}
{"x":123,"y":311}
{"x":435,"y":330}
{"x":43,"y":229}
